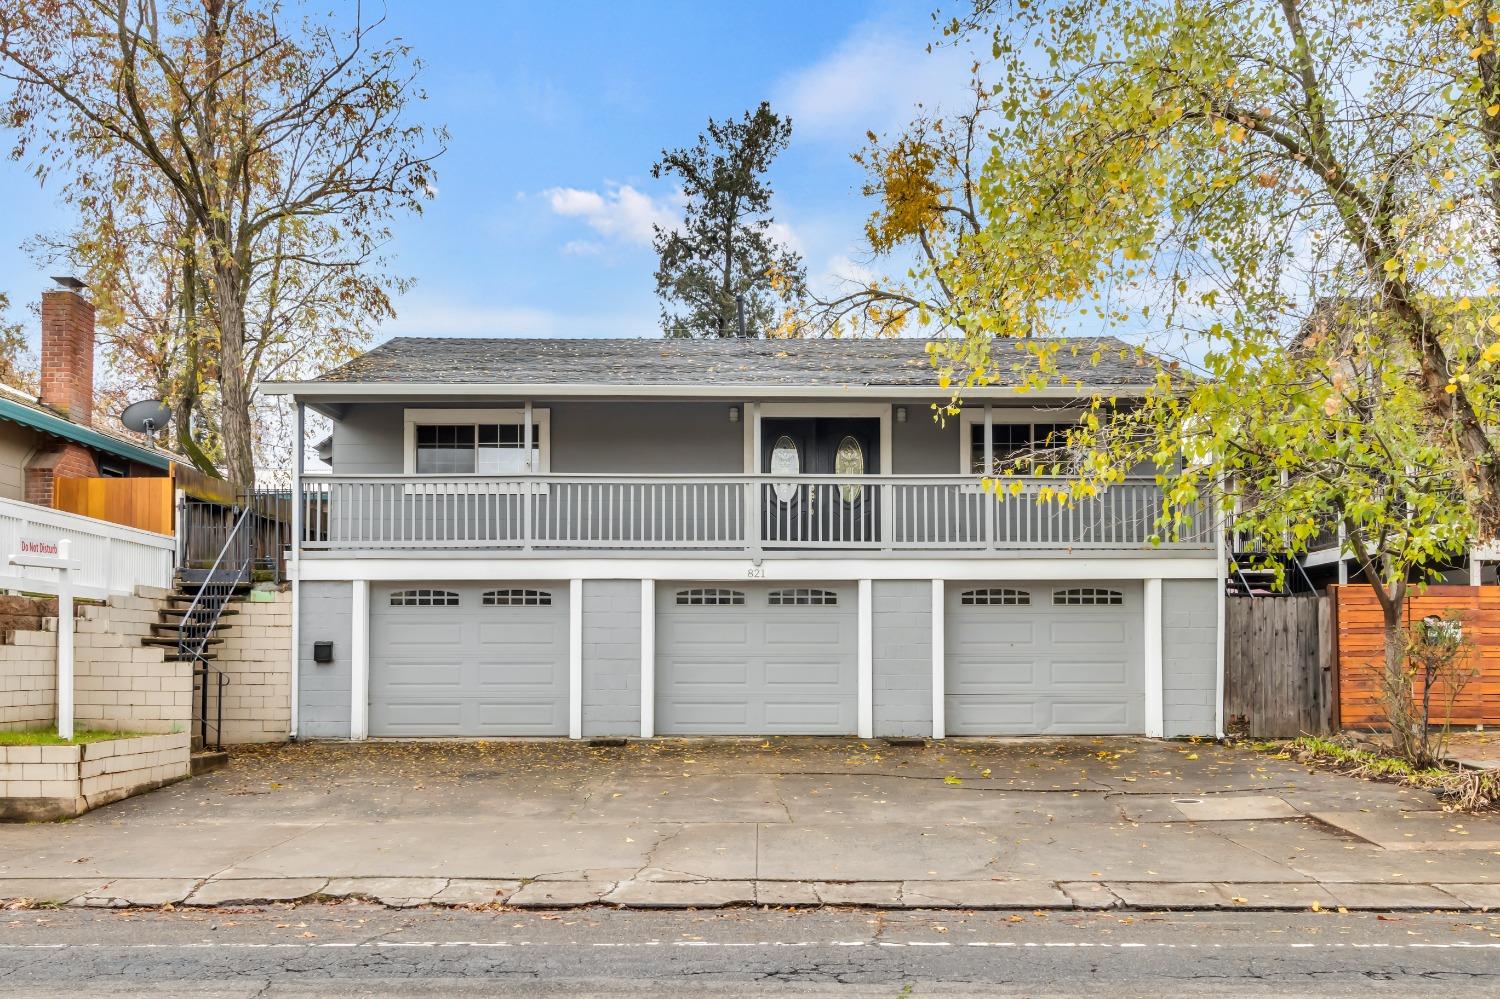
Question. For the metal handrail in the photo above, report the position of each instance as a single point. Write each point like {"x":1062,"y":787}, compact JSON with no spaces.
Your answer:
{"x":193,"y":635}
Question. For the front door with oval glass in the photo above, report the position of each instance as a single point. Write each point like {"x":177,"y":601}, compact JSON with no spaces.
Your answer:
{"x":821,"y":512}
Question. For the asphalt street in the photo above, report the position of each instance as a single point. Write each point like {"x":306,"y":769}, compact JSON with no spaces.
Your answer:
{"x":354,"y":949}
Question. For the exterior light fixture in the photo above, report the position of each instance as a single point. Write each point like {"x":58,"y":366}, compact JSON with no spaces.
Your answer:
{"x":734,"y":414}
{"x":900,"y":414}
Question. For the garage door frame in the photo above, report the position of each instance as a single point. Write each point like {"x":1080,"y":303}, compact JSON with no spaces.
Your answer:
{"x":1153,"y":692}
{"x":361,"y":651}
{"x":657,"y":656}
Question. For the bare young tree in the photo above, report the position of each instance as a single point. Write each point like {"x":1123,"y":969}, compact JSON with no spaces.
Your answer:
{"x":285,"y":143}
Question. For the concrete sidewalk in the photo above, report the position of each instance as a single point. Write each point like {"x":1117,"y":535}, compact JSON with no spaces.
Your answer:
{"x":1026,"y":824}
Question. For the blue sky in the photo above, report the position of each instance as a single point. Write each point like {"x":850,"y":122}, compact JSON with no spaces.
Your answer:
{"x":556,"y":112}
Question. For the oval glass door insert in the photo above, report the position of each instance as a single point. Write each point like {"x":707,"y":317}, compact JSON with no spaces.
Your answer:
{"x":849,"y":459}
{"x":785,"y":461}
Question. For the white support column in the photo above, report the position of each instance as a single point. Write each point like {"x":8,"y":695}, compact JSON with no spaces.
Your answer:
{"x":299,"y":466}
{"x":1476,"y":568}
{"x":64,"y":654}
{"x":939,"y":659}
{"x":866,"y":662}
{"x":575,"y":659}
{"x":359,"y":662}
{"x":648,"y":658}
{"x":1155,"y":707}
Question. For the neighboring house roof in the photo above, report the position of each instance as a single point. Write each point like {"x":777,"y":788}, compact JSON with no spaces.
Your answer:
{"x":38,"y":417}
{"x":698,"y":364}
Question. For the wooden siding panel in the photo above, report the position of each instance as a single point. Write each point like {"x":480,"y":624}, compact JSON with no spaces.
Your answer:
{"x":144,"y":503}
{"x":1361,"y":653}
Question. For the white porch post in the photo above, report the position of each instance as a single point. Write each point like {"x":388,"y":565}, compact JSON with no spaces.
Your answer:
{"x":359,"y":662}
{"x":299,"y":465}
{"x":866,"y":663}
{"x":1155,"y":707}
{"x":648,"y":658}
{"x":575,"y":659}
{"x":64,"y":653}
{"x":939,"y":659}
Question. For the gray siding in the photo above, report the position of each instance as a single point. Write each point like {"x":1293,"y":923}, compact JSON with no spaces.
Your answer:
{"x":632,"y":436}
{"x":323,"y":689}
{"x":602,"y":437}
{"x":1189,"y":660}
{"x":611,"y":657}
{"x":920,"y":446}
{"x":902,"y":657}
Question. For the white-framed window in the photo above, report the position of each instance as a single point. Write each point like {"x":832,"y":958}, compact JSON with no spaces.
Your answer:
{"x":802,"y":596}
{"x":424,"y":598}
{"x":479,"y":442}
{"x":1087,"y":596}
{"x":516,"y":598}
{"x":1017,"y":434}
{"x":995,"y":596}
{"x":710,"y":596}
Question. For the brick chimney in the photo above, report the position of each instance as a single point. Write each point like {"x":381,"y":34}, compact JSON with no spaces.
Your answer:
{"x":68,"y":351}
{"x":67,"y":387}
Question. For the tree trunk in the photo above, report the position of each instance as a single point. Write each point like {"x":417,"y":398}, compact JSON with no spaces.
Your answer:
{"x":234,"y":391}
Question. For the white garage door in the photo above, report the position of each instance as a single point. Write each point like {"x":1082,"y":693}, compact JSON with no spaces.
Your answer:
{"x":1045,"y":659}
{"x":468,"y":659}
{"x":756,"y":659}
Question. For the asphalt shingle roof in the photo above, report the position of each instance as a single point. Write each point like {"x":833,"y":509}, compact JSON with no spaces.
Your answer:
{"x":863,"y":362}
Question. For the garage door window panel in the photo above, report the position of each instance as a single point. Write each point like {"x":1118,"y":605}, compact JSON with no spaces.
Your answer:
{"x":995,"y":597}
{"x":516,"y":598}
{"x":802,"y":597}
{"x":1087,"y":596}
{"x":710,"y":597}
{"x":424,"y":598}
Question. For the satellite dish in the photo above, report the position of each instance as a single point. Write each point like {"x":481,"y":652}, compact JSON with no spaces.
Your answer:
{"x":146,"y":417}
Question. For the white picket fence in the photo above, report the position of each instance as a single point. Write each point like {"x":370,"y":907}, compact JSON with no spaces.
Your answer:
{"x":113,"y":558}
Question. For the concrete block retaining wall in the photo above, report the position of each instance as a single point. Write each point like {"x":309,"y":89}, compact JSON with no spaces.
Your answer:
{"x":118,"y":683}
{"x":41,"y":783}
{"x":256,"y":657}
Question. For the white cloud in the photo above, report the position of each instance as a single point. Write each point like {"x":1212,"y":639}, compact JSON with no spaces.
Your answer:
{"x":620,"y":213}
{"x":873,"y":80}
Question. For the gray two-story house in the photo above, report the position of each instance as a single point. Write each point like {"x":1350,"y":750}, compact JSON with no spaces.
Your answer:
{"x":598,"y":538}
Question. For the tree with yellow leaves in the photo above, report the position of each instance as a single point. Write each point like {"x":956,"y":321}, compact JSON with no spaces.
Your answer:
{"x":1301,"y":201}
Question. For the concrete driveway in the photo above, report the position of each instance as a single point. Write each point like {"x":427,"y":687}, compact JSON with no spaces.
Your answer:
{"x":1079,"y":823}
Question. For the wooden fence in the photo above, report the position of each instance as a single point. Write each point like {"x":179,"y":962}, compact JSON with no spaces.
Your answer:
{"x":144,"y":503}
{"x":1361,"y":650}
{"x":1278,"y":658}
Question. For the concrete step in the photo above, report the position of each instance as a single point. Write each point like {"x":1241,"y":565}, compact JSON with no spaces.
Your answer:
{"x":208,"y":760}
{"x":164,"y":640}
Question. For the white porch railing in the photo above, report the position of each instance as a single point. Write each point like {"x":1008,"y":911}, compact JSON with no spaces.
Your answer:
{"x":736,"y":513}
{"x":111,"y":557}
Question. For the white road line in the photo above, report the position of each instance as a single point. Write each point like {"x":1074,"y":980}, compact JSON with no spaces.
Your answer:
{"x":423,"y":944}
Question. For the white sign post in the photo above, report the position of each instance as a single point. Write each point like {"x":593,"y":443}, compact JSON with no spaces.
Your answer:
{"x":44,"y":553}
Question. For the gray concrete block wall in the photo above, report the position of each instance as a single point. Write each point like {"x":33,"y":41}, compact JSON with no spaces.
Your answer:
{"x":902,"y":657}
{"x":1190,"y":636}
{"x":323,"y":689}
{"x":611,"y":657}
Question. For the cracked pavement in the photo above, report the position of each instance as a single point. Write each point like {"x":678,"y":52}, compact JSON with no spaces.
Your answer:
{"x":1003,"y":824}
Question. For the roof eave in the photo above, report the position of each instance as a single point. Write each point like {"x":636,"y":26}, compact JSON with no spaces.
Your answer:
{"x":345,"y":391}
{"x":66,"y":429}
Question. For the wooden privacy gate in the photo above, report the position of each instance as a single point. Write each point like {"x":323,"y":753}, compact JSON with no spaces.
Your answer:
{"x":145,"y":503}
{"x":1278,"y":656}
{"x":1361,"y":651}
